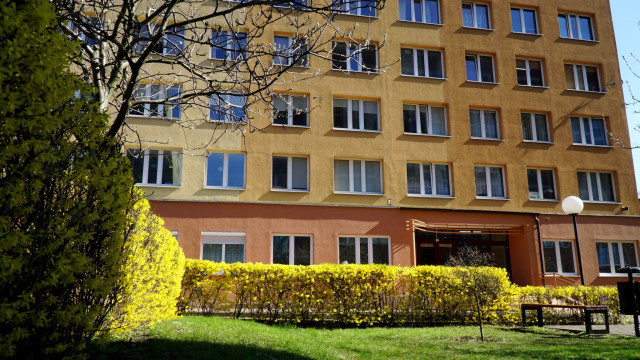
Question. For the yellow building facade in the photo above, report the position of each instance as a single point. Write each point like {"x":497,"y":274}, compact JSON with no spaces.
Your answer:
{"x":467,"y":127}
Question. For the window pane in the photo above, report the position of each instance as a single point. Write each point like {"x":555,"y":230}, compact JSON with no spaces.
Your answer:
{"x":599,"y":133}
{"x":580,"y":79}
{"x":629,"y":253}
{"x":481,"y":181}
{"x":281,"y":250}
{"x":431,"y":12}
{"x":406,"y":61}
{"x":405,"y":10}
{"x":299,"y":173}
{"x":486,"y":68}
{"x":409,"y":116}
{"x":369,"y":59}
{"x":530,"y":21}
{"x":442,"y":180}
{"x":491,"y":124}
{"x":421,"y":65}
{"x":347,"y":250}
{"x":424,"y":119}
{"x":300,"y":110}
{"x":341,"y":175}
{"x":472,"y":71}
{"x":215,"y":169}
{"x":339,"y":56}
{"x":435,"y":64}
{"x":535,"y":73}
{"x":585,"y":28}
{"x":575,"y":130}
{"x":583,"y":186}
{"x":281,"y":49}
{"x":279,"y":172}
{"x":438,"y":124}
{"x":604,"y":264}
{"x":593,"y":177}
{"x":592,"y":78}
{"x":302,"y":250}
{"x":152,"y":174}
{"x":541,"y":127}
{"x":372,"y":172}
{"x":521,"y":72}
{"x":212,"y":252}
{"x":380,"y":250}
{"x":615,"y":251}
{"x":340,"y":113}
{"x":236,"y":170}
{"x":497,"y":185}
{"x":548,"y":191}
{"x":364,"y":250}
{"x":357,"y":175}
{"x":566,"y":257}
{"x":371,"y":115}
{"x":573,"y":24}
{"x":562,"y":23}
{"x":568,"y":76}
{"x":234,"y":253}
{"x":550,"y":259}
{"x":467,"y":14}
{"x":136,"y":156}
{"x":606,"y":183}
{"x":476,"y":127}
{"x":482,"y":16}
{"x":237,"y":103}
{"x":355,"y":114}
{"x":516,"y":21}
{"x":280,"y":110}
{"x":426,"y":175}
{"x":527,"y":130}
{"x":532,"y":178}
{"x":413,"y":178}
{"x":586,"y":124}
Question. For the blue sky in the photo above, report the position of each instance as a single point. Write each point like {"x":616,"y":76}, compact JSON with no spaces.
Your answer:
{"x":626,"y":18}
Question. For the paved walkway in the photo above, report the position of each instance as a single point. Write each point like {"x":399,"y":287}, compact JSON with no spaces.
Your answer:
{"x":613,"y":329}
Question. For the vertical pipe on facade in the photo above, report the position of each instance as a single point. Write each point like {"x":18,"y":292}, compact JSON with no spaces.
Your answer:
{"x":544,"y":280}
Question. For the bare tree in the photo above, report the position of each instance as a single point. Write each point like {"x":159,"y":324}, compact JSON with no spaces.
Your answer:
{"x":158,"y":58}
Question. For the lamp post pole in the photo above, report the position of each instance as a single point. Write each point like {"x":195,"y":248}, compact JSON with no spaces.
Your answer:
{"x":573,"y":205}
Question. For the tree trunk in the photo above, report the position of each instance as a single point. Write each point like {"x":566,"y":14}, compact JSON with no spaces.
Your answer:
{"x":475,"y":294}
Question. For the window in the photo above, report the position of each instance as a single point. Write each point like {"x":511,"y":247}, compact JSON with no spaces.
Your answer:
{"x":574,"y":26}
{"x":425,"y":11}
{"x":589,"y":131}
{"x":480,"y":68}
{"x":524,"y":21}
{"x":356,"y":7}
{"x":615,"y":255}
{"x":225,"y":170}
{"x":596,"y":186}
{"x":541,"y":184}
{"x":290,"y":173}
{"x":428,"y":179}
{"x":353,"y":56}
{"x":529,"y":72}
{"x":582,"y":77}
{"x":352,"y":114}
{"x":292,"y":249}
{"x":227,"y":107}
{"x":291,"y":110}
{"x":357,"y":176}
{"x":156,"y":167}
{"x":296,"y":4}
{"x":223,"y":247}
{"x":475,"y":15}
{"x":558,"y":257}
{"x":290,"y":50}
{"x":228,"y":45}
{"x":92,"y":23}
{"x":489,"y":182}
{"x":172,"y":43}
{"x":424,"y":119}
{"x":156,"y":100}
{"x":421,"y":62}
{"x":535,"y":127}
{"x":484,"y":124}
{"x":364,"y":250}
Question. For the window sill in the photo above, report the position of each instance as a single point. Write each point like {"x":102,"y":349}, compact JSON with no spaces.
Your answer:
{"x":615,"y":275}
{"x":525,"y":33}
{"x":429,"y":135}
{"x":477,"y":28}
{"x":356,"y":71}
{"x":533,"y":86}
{"x":151,"y":117}
{"x":290,"y":190}
{"x":492,"y":198}
{"x":594,"y":146}
{"x":602,"y":202}
{"x":420,"y":22}
{"x":431,"y":196}
{"x":587,"y":91}
{"x":486,"y":139}
{"x":293,"y":66}
{"x":423,"y":77}
{"x":357,"y":15}
{"x":291,"y":126}
{"x":538,"y":142}
{"x":223,"y":188}
{"x":551,"y":274}
{"x":358,"y":130}
{"x":582,"y":40}
{"x":357,"y":193}
{"x":483,"y":82}
{"x":158,"y":185}
{"x":227,"y":122}
{"x":544,"y":200}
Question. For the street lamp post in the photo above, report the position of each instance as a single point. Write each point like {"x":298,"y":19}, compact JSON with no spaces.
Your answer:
{"x":573,"y":205}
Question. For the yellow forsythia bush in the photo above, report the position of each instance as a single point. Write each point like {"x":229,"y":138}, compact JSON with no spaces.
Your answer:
{"x":153,"y":272}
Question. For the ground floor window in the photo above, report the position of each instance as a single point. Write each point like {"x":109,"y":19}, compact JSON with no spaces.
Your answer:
{"x":292,"y":249}
{"x":558,"y":257}
{"x":615,"y":255}
{"x":364,"y":250}
{"x":223,"y":247}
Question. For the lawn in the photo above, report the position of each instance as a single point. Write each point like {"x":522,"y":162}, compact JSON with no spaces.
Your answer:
{"x":217,"y":338}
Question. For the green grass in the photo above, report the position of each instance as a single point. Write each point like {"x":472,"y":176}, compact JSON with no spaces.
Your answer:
{"x":216,"y":338}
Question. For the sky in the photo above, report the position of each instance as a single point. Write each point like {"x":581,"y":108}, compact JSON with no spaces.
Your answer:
{"x":626,"y":24}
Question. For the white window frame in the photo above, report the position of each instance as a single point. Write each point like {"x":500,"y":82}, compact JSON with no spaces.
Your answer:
{"x":227,"y":107}
{"x":620,"y":254}
{"x":413,"y":14}
{"x":527,"y":69}
{"x":474,"y":15}
{"x":556,"y":248}
{"x":235,"y":43}
{"x":229,"y":238}
{"x":161,"y":94}
{"x":360,"y":114}
{"x":160,"y":165}
{"x":598,"y":186}
{"x":539,"y":184}
{"x":363,"y":180}
{"x":583,"y":74}
{"x":426,"y":62}
{"x":292,"y":246}
{"x":358,"y":6}
{"x":522,"y":24}
{"x":483,"y":125}
{"x":288,"y":99}
{"x":369,"y":247}
{"x":166,"y":50}
{"x":534,"y":128}
{"x":174,"y":234}
{"x":583,"y":130}
{"x":289,"y":187}
{"x":349,"y":56}
{"x":429,"y":132}
{"x":488,"y":182}
{"x":288,"y":55}
{"x":225,"y":171}
{"x":433,"y":180}
{"x":570,"y":33}
{"x":479,"y":68}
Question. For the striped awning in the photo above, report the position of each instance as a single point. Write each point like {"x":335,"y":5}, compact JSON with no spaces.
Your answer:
{"x":493,"y":229}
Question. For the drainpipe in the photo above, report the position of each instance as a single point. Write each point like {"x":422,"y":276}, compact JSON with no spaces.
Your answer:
{"x":544,"y":280}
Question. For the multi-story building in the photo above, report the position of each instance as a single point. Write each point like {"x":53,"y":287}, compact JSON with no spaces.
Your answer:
{"x":467,"y":128}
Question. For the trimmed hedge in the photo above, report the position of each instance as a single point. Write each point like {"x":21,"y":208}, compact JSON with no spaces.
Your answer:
{"x":355,"y":295}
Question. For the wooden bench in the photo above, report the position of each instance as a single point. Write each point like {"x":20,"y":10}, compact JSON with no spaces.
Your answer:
{"x":588,"y":311}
